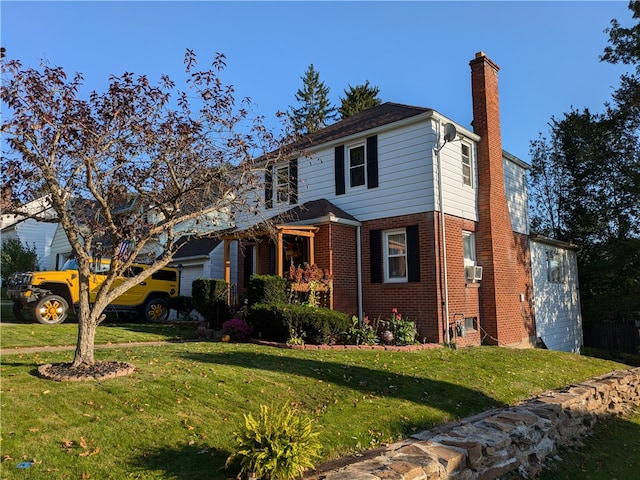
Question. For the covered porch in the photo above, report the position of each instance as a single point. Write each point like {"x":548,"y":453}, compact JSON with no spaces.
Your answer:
{"x":273,"y":251}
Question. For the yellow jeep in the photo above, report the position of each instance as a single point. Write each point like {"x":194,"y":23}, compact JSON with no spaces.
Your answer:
{"x":48,"y":295}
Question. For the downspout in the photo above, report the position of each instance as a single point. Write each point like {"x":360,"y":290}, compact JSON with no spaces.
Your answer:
{"x":359,"y":273}
{"x":444,"y":281}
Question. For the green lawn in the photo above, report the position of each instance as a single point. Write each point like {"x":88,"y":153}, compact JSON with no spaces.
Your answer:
{"x":37,"y":335}
{"x":610,"y":453}
{"x":174,"y":418}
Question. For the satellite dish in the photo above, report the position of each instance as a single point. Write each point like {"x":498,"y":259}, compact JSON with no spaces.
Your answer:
{"x":450,"y":132}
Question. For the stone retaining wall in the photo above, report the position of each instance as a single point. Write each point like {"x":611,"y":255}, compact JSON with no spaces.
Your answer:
{"x":516,"y":440}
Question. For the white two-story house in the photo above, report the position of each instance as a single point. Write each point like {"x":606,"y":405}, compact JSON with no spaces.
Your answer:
{"x":409,"y":210}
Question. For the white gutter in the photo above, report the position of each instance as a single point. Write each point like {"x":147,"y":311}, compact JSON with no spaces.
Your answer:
{"x":359,"y":274}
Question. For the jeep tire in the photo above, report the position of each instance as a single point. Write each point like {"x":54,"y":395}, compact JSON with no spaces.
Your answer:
{"x":17,"y":312}
{"x":51,"y":310}
{"x":156,"y":310}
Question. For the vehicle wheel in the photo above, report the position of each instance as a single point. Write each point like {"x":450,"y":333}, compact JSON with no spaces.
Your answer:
{"x":51,"y":310}
{"x":17,"y":312}
{"x":156,"y":310}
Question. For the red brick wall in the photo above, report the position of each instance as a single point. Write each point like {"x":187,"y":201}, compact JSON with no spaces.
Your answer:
{"x":419,"y":301}
{"x":422,"y":302}
{"x":336,"y":250}
{"x":505,"y":277}
{"x":463,"y":296}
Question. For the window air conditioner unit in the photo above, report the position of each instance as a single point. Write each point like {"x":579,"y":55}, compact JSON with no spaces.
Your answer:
{"x":473,"y":273}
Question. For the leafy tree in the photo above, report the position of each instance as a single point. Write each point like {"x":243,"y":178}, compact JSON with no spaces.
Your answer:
{"x":359,"y":98}
{"x":134,"y":168}
{"x":315,"y":111}
{"x":16,"y":257}
{"x":585,"y":187}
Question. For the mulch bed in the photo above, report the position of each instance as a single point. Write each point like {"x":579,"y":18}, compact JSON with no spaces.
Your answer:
{"x":66,"y":372}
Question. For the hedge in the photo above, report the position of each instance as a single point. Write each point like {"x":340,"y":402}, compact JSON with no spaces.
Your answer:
{"x":316,"y":325}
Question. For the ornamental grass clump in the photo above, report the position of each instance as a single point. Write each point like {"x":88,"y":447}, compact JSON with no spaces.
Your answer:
{"x":277,"y":445}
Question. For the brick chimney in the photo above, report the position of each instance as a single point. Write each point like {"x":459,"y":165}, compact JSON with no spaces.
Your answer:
{"x":504,"y":276}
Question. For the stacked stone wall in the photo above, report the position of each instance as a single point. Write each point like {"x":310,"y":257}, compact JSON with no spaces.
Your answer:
{"x":515,"y":441}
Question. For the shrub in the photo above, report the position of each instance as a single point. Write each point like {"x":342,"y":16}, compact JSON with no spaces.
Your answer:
{"x":266,"y":289}
{"x":210,"y":299}
{"x":278,"y":444}
{"x":315,"y":325}
{"x":237,"y":329}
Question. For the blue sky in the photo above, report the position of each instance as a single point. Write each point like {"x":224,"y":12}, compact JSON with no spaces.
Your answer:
{"x":416,"y":52}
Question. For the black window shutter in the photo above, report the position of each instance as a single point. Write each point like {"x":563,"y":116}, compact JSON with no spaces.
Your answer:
{"x":293,"y":181}
{"x":339,"y":170}
{"x":413,"y":254}
{"x":372,"y":162}
{"x":268,"y":187}
{"x":375,"y":255}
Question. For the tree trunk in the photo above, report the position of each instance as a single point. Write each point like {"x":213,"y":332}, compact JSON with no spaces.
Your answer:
{"x":85,"y":346}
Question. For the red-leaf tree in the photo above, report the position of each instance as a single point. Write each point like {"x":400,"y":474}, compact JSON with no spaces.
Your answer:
{"x":140,"y":164}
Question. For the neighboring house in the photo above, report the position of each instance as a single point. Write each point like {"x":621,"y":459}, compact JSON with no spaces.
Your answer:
{"x":31,"y":232}
{"x":199,"y":258}
{"x":409,"y":210}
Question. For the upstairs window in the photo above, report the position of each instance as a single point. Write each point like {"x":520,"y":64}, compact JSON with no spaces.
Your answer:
{"x":467,"y":165}
{"x":282,"y":184}
{"x":357,"y":166}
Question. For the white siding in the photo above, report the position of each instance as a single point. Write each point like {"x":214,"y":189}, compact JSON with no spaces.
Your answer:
{"x":33,"y":233}
{"x":407,"y":177}
{"x":458,"y":199}
{"x":60,"y":249}
{"x":405,"y":174}
{"x":557,"y":305}
{"x":515,"y":185}
{"x":216,"y":264}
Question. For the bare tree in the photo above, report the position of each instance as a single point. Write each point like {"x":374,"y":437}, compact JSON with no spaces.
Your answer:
{"x":139,"y":166}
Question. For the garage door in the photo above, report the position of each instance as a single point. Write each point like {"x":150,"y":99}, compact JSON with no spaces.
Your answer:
{"x":189,"y":274}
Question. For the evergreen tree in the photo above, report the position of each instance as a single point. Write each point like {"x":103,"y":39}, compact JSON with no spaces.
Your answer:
{"x":359,"y":98}
{"x":315,"y":111}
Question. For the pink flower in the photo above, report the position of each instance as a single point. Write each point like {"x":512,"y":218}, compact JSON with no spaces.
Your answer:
{"x":394,"y":310}
{"x":366,"y":320}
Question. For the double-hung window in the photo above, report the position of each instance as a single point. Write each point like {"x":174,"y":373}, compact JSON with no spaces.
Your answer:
{"x":469,"y":248}
{"x":467,"y":165}
{"x":395,"y":255}
{"x":357,"y":166}
{"x":555,"y":267}
{"x":283,"y":184}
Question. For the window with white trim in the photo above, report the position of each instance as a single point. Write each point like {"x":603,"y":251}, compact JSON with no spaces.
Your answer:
{"x":282,"y":184}
{"x":469,"y":248}
{"x":357,"y":166}
{"x":555,"y":267}
{"x":467,"y":164}
{"x":395,"y":255}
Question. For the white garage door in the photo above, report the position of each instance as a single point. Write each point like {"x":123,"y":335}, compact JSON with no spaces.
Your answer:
{"x":189,"y":274}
